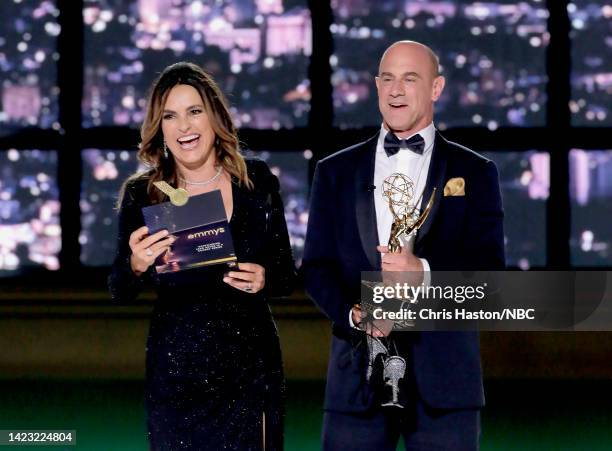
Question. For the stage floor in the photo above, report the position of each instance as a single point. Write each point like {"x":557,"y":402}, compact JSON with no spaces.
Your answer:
{"x":520,"y":415}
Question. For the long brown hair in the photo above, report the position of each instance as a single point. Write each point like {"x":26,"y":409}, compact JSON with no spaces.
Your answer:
{"x":226,"y":145}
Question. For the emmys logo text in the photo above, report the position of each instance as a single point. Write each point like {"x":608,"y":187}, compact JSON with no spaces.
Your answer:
{"x":213,"y":232}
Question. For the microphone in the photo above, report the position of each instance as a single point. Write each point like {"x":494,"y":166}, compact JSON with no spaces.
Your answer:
{"x":370,"y":188}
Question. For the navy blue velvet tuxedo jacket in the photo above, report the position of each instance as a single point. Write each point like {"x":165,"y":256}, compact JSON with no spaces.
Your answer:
{"x":461,"y":233}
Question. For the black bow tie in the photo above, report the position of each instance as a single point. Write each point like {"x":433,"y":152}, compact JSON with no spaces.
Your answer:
{"x":393,"y":144}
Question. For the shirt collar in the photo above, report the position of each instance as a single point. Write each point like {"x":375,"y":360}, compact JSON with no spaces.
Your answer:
{"x":428,"y":133}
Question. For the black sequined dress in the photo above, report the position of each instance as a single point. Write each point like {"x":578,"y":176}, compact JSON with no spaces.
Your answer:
{"x":213,"y":361}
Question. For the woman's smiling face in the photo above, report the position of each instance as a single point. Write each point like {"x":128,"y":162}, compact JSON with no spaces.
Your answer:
{"x":186,"y":127}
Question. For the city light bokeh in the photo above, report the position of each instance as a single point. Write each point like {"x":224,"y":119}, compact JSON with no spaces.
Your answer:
{"x":493,"y":55}
{"x":30,"y":232}
{"x":28,"y":65}
{"x":258,"y":52}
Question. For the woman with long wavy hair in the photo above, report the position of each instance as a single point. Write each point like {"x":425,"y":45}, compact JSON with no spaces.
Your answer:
{"x":214,"y":375}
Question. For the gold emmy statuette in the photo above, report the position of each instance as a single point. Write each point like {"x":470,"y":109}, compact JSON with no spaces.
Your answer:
{"x":178,"y":196}
{"x":398,"y":190}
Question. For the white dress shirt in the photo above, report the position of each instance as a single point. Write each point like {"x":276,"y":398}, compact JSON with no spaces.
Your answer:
{"x":416,"y":168}
{"x":409,"y":163}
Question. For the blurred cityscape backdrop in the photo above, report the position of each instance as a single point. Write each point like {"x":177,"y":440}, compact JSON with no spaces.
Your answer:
{"x":493,"y":53}
{"x":529,"y":85}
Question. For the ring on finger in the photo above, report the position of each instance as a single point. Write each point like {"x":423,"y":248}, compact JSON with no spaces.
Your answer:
{"x":249,"y":288}
{"x":149,"y":252}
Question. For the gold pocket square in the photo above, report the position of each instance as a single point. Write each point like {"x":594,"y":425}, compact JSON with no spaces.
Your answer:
{"x":455,"y":187}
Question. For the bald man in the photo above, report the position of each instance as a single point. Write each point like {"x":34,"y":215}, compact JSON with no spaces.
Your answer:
{"x":348,"y":232}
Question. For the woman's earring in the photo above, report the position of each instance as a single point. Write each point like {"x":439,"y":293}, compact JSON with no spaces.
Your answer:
{"x":165,"y":150}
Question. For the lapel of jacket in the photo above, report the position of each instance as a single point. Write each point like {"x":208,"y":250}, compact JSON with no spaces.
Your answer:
{"x":364,"y":201}
{"x":435,"y":178}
